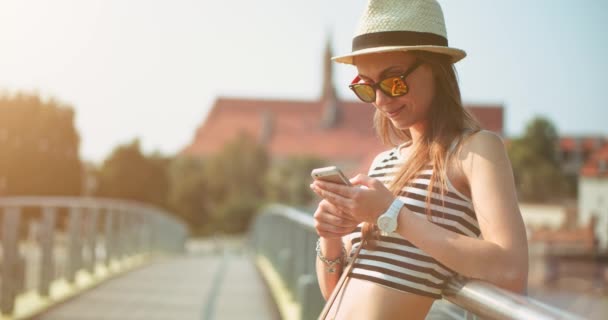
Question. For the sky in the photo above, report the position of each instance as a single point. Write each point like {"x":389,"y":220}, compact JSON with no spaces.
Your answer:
{"x":153,"y":69}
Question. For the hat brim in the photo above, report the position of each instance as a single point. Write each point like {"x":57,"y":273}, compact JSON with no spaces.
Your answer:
{"x":456,"y":54}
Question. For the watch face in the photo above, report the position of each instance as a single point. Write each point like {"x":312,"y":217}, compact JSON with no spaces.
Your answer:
{"x":387,"y":224}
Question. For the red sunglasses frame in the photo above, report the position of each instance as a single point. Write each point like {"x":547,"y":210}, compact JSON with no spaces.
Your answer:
{"x":377,"y":86}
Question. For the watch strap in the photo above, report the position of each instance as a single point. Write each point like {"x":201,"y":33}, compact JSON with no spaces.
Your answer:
{"x":394,"y":208}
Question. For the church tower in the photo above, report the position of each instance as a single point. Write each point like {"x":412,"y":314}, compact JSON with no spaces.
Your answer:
{"x":329,"y":100}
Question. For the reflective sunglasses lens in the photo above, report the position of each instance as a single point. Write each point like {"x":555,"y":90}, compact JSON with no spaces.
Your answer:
{"x":365,"y":92}
{"x":394,"y":87}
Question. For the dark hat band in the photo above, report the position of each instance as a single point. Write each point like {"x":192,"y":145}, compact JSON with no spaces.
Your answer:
{"x":397,"y":38}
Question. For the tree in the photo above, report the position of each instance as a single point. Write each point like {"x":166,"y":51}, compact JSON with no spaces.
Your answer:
{"x":288,"y":181}
{"x":535,"y":163}
{"x":235,"y":183}
{"x":128,"y":174}
{"x":40,"y":147}
{"x":189,"y":194}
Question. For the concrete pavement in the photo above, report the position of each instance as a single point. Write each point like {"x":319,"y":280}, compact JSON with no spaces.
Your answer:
{"x":222,"y":283}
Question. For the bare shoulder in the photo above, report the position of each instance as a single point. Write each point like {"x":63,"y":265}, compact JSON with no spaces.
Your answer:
{"x":483,"y":140}
{"x":483,"y":147}
{"x":483,"y":143}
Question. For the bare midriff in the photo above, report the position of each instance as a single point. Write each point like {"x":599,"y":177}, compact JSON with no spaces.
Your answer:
{"x":367,"y":300}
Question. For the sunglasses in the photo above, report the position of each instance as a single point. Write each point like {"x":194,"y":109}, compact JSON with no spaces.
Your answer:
{"x":393,"y":87}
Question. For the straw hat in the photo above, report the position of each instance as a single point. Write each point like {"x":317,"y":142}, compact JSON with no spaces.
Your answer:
{"x":401,"y":25}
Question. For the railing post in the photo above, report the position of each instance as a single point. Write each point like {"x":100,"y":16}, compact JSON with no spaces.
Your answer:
{"x":140,"y":231}
{"x":47,"y":238}
{"x":109,"y":236}
{"x":145,"y":233}
{"x":300,"y":258}
{"x":120,"y":234}
{"x":290,"y":277}
{"x":75,"y":243}
{"x":132,"y":230}
{"x":135,"y":233}
{"x":125,"y":230}
{"x":311,"y":256}
{"x":11,"y":259}
{"x":91,"y":236}
{"x":31,"y":256}
{"x":285,"y":258}
{"x":126,"y":233}
{"x":153,"y":238}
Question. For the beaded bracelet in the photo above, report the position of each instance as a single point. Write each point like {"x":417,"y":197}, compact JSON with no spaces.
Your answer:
{"x":330,"y":263}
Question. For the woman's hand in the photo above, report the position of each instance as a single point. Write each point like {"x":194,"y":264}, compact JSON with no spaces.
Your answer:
{"x":331,"y":222}
{"x":363,"y":204}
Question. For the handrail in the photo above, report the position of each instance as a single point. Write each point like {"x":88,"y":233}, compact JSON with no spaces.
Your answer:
{"x":45,"y":239}
{"x":278,"y":232}
{"x":489,"y":301}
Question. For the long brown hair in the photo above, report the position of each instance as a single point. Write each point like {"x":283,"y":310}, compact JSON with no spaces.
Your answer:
{"x":447,"y":120}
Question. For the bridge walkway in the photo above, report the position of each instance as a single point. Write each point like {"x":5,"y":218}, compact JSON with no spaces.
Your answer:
{"x":211,"y":281}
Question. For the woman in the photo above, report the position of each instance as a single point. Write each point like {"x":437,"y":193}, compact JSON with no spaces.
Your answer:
{"x":441,"y":202}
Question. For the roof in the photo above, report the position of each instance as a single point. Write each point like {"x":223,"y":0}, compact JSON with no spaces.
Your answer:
{"x":597,"y":165}
{"x":296,"y":128}
{"x":586,"y":143}
{"x":583,"y":236}
{"x":491,"y":117}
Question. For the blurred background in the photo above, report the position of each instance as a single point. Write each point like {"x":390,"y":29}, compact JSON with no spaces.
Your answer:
{"x":208,"y":111}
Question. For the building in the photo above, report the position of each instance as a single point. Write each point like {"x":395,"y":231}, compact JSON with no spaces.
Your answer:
{"x":593,"y":194}
{"x":540,"y":216}
{"x":329,"y":128}
{"x":574,"y":152}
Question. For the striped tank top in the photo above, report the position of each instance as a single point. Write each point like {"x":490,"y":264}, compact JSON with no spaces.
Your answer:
{"x":395,"y":262}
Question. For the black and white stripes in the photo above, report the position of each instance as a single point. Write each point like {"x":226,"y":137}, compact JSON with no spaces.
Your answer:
{"x":397,"y":263}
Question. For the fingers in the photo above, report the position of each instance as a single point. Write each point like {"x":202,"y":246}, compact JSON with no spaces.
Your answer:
{"x":334,"y":220}
{"x":329,"y":235}
{"x":364,"y":180}
{"x":329,"y":232}
{"x":330,"y":222}
{"x":335,"y":188}
{"x":338,"y":200}
{"x":335,"y":212}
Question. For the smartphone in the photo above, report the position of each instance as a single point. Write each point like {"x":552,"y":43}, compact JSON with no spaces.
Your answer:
{"x":330,"y":174}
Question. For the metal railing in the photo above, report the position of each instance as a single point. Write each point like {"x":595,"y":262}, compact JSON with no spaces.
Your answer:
{"x":286,"y":238}
{"x":50,"y":238}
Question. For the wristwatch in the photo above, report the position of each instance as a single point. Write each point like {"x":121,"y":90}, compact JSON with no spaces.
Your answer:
{"x":387,"y":222}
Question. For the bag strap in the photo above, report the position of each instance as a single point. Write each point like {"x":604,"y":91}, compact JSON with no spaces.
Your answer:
{"x":339,"y":285}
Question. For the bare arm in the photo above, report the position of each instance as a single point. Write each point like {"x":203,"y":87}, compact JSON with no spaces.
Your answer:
{"x":501,"y":257}
{"x":331,"y":248}
{"x":332,"y":225}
